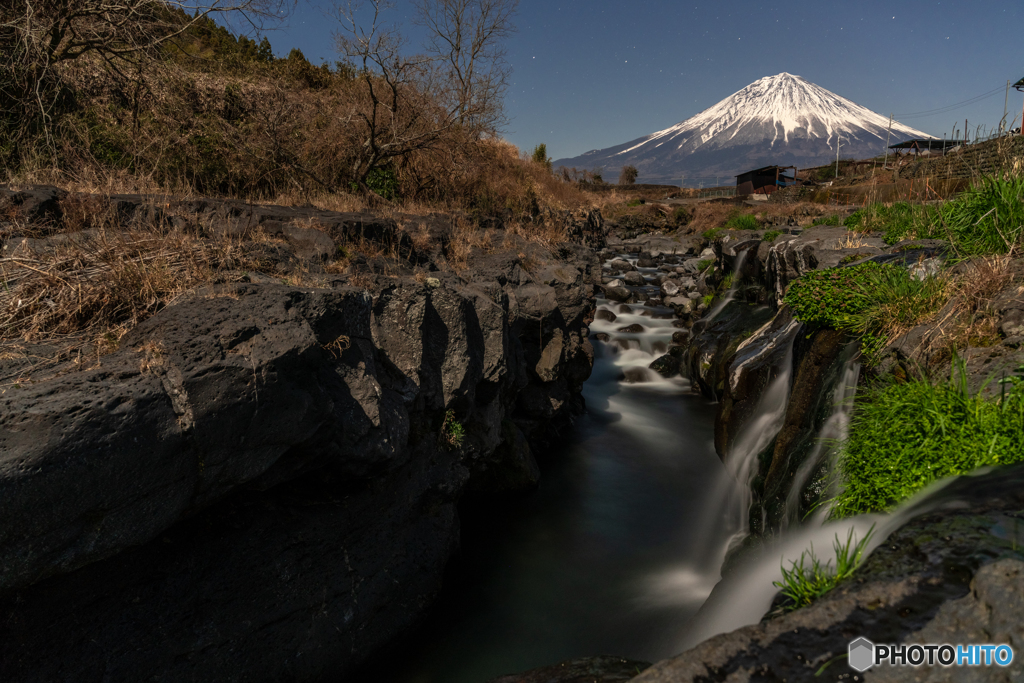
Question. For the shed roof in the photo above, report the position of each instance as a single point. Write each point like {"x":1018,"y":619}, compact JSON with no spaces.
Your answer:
{"x":766,"y":169}
{"x":926,"y":144}
{"x":1019,"y":84}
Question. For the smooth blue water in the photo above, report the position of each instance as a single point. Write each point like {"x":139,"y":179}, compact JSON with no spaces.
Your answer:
{"x":613,"y":554}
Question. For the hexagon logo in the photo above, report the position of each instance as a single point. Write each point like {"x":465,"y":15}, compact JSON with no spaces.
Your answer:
{"x":862,"y":654}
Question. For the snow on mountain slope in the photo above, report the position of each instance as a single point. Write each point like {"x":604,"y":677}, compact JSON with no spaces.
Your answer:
{"x":781,"y":119}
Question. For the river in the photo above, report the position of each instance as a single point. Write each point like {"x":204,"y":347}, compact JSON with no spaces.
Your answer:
{"x":617,"y":549}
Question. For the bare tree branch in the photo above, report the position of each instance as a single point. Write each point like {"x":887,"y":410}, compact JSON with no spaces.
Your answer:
{"x":36,"y":36}
{"x":413,"y":101}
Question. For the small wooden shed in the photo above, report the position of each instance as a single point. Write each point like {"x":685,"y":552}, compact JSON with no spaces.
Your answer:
{"x":765,"y":180}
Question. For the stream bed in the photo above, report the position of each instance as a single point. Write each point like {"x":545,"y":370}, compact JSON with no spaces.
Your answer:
{"x":618,"y":548}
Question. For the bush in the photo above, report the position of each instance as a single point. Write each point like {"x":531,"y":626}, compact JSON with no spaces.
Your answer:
{"x":540,"y":156}
{"x":628,"y":175}
{"x":384,"y":182}
{"x":825,"y":298}
{"x":743,"y":221}
{"x":905,"y":436}
{"x":870,"y":299}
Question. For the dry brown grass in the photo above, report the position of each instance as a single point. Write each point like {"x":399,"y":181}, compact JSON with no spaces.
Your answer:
{"x":968,"y":319}
{"x":851,"y":240}
{"x":93,"y":279}
{"x":707,"y":215}
{"x":547,"y":234}
{"x":108,"y":281}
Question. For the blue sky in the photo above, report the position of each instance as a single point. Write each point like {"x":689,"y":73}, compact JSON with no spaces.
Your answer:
{"x":592,"y":74}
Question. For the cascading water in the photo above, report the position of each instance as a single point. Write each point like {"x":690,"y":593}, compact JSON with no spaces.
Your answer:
{"x":747,"y":591}
{"x":625,"y":540}
{"x":578,"y":568}
{"x":832,"y":433}
{"x":737,"y":270}
{"x":763,"y":426}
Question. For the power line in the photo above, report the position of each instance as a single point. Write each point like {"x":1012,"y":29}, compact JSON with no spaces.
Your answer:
{"x":951,"y":107}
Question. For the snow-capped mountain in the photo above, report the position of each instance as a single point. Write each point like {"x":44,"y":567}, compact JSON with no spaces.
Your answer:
{"x":781,"y":119}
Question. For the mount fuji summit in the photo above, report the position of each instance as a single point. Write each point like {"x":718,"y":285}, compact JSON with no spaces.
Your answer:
{"x":781,"y":119}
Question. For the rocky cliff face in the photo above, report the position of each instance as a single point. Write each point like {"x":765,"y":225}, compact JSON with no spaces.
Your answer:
{"x":736,"y":355}
{"x":261,"y":483}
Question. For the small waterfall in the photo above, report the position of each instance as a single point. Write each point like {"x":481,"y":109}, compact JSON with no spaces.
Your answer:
{"x":747,"y":592}
{"x":726,"y":519}
{"x":737,"y":270}
{"x":833,"y":432}
{"x":758,"y":433}
{"x":631,"y":352}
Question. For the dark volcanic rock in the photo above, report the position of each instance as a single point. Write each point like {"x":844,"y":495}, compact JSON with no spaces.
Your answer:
{"x":295,"y":584}
{"x":634,"y":279}
{"x":40,"y":204}
{"x":618,"y":293}
{"x":207,"y":396}
{"x":666,"y":366}
{"x":585,"y":670}
{"x":260,"y":484}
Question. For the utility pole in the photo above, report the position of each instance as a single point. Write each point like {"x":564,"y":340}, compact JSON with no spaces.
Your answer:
{"x":839,"y":141}
{"x":1006,"y":103}
{"x":886,"y":161}
{"x":1019,"y":87}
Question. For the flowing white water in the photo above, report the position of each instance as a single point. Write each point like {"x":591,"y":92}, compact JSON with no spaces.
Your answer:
{"x":832,"y":434}
{"x":725,"y":518}
{"x":746,"y":593}
{"x":625,"y":539}
{"x":737,"y":270}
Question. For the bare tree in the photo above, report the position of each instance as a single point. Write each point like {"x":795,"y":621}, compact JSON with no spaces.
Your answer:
{"x":411,"y":102}
{"x":468,"y":37}
{"x":628,"y":175}
{"x":37,"y":36}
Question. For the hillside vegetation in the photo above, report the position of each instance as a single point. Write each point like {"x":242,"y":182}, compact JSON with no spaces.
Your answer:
{"x":189,"y":107}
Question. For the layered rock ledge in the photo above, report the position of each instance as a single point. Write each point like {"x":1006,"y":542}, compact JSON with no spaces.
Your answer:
{"x":260,"y":484}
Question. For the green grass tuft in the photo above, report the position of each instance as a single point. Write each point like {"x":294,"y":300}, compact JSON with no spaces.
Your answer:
{"x":771,"y":235}
{"x":452,"y":431}
{"x":906,"y":436}
{"x":807,"y":580}
{"x":986,"y":219}
{"x":704,"y":264}
{"x":743,"y":221}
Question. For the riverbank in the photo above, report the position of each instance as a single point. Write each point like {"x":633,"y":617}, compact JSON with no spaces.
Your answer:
{"x":233,"y":436}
